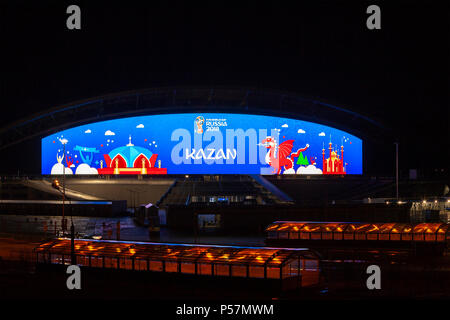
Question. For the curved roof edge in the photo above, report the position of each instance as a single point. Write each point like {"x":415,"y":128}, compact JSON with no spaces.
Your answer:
{"x":191,"y":99}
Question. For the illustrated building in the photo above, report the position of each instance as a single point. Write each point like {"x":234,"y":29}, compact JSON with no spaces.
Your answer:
{"x":333,"y":164}
{"x":130,"y":159}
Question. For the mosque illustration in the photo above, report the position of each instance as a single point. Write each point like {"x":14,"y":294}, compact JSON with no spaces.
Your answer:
{"x":333,"y":164}
{"x":130,"y":159}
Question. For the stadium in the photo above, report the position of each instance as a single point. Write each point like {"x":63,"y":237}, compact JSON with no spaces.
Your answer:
{"x":219,"y":186}
{"x":224,"y":158}
{"x":254,"y":156}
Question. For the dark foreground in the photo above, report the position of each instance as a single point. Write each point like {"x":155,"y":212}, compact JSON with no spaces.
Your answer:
{"x":340,"y":280}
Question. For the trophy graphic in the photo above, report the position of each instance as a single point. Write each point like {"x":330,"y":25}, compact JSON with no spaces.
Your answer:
{"x":199,"y":121}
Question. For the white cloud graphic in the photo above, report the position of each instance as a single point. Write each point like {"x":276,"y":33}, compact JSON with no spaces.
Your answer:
{"x":311,"y":169}
{"x":285,"y":125}
{"x":322,"y":134}
{"x":289,"y":171}
{"x":139,"y":126}
{"x":84,"y":168}
{"x":58,"y":168}
{"x":88,"y":131}
{"x":301,"y":131}
{"x":109,"y":133}
{"x":63,"y":141}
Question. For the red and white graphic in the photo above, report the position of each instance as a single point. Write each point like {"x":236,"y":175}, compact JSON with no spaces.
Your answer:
{"x":333,"y":164}
{"x":280,"y":156}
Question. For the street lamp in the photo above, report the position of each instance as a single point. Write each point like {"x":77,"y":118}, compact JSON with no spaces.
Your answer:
{"x":64,"y":185}
{"x":396,"y":169}
{"x":56,"y":185}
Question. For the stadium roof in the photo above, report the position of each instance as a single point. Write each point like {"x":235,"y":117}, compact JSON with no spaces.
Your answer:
{"x":189,"y":99}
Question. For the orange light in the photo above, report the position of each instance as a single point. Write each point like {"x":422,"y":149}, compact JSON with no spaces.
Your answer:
{"x":55,"y":184}
{"x":276,"y":260}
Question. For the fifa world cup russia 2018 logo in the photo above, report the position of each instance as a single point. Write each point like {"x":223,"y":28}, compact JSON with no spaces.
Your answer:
{"x":199,"y":121}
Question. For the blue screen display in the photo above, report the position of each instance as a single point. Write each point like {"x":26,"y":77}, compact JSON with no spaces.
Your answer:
{"x":203,"y":143}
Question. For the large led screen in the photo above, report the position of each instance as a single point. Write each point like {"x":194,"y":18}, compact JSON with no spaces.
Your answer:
{"x":202,"y":143}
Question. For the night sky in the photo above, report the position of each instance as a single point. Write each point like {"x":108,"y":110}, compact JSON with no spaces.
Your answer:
{"x":398,"y":75}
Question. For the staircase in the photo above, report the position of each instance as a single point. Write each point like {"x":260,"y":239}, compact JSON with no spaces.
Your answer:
{"x":242,"y":190}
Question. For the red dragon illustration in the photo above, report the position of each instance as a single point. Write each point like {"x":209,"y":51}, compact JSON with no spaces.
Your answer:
{"x":281,"y":159}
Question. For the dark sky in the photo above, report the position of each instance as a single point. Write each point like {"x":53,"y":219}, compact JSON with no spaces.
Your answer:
{"x":398,"y":75}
